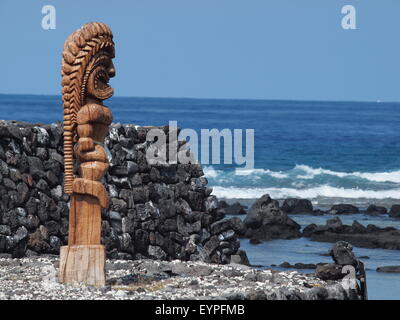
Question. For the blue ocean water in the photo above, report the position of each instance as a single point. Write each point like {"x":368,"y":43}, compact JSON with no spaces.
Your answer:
{"x":329,"y":152}
{"x":381,"y":286}
{"x":324,"y":151}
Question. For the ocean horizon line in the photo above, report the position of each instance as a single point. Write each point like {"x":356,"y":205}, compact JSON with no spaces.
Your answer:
{"x":218,"y":99}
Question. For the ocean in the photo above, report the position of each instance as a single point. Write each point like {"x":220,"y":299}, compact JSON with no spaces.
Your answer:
{"x":328,"y":152}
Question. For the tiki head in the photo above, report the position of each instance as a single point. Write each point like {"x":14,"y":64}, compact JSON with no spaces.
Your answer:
{"x":100,"y":70}
{"x":86,"y":69}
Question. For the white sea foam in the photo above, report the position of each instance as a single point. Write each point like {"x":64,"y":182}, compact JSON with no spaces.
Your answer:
{"x":390,"y":176}
{"x":248,"y":172}
{"x":310,"y":193}
{"x":224,"y":176}
{"x":304,"y":172}
{"x":298,"y":185}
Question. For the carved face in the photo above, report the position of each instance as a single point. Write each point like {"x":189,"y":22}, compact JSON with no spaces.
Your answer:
{"x":101,"y":70}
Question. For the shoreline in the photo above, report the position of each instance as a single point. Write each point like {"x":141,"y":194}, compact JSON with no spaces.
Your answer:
{"x":325,"y":203}
{"x":323,"y":208}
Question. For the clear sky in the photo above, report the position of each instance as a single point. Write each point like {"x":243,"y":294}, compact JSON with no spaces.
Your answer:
{"x":256,"y":49}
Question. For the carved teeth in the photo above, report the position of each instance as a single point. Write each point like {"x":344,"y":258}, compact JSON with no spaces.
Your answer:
{"x":101,"y":80}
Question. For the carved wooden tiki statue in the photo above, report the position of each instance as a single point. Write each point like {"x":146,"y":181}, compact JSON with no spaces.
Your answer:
{"x":86,"y":69}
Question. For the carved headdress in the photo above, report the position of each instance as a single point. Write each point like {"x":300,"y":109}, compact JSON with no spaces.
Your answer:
{"x":88,"y":48}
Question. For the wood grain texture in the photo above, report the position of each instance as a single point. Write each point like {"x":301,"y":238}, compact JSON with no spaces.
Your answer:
{"x":83,"y":264}
{"x":92,"y":188}
{"x":85,"y":221}
{"x":86,"y":69}
{"x":77,"y":63}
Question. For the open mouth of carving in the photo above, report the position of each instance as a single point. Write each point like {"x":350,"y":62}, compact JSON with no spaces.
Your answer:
{"x":101,"y":80}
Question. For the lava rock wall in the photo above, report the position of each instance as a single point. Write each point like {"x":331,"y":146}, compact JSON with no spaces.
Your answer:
{"x":160,"y":211}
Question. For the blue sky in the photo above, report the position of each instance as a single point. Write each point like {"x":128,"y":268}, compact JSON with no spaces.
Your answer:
{"x":254,"y":49}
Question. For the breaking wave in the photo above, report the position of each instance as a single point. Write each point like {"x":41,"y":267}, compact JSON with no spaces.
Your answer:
{"x":391,"y":176}
{"x":311,"y":193}
{"x":303,"y":181}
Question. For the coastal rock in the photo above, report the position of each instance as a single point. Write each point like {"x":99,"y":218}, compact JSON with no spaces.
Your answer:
{"x":222,"y":204}
{"x":389,"y":269}
{"x":330,"y":271}
{"x":334,"y":224}
{"x":342,"y":253}
{"x":309,"y":230}
{"x":395,"y":211}
{"x":376,"y":210}
{"x":343,"y":209}
{"x":358,"y":227}
{"x":298,"y":265}
{"x":356,"y":234}
{"x":266,"y":221}
{"x":293,"y":205}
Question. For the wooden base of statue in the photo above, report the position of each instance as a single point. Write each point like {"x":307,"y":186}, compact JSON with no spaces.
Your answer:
{"x":83,"y":264}
{"x":83,"y":260}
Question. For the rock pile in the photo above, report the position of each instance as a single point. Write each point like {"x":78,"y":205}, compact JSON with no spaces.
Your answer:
{"x":156,"y":211}
{"x":344,"y":262}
